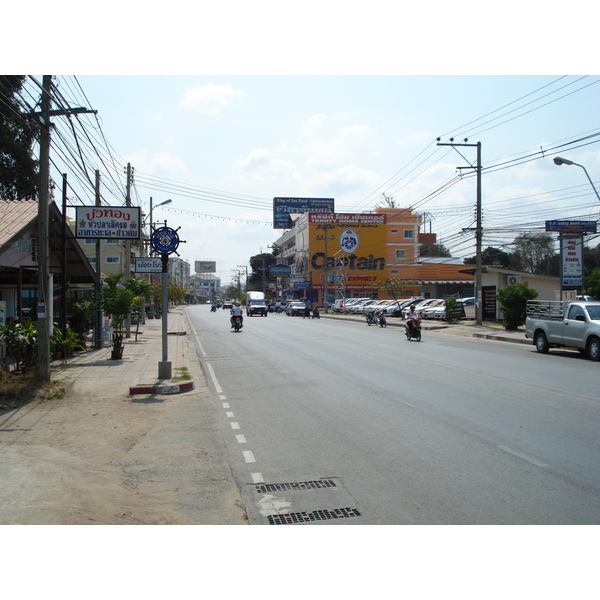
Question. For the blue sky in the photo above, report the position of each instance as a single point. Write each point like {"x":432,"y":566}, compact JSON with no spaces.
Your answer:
{"x":221,"y":147}
{"x":347,"y":105}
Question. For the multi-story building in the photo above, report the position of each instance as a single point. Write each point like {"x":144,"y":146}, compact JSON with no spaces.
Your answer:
{"x":352,"y":254}
{"x":205,"y":286}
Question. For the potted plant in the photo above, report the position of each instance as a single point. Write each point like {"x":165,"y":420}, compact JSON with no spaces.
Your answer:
{"x":116,"y":303}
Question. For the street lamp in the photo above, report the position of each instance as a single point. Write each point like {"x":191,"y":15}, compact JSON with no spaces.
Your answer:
{"x":161,"y":204}
{"x":563,"y":161}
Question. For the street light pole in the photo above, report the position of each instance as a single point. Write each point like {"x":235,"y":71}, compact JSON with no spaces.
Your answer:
{"x":563,"y":161}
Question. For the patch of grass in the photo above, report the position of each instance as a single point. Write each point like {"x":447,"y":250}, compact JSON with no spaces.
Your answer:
{"x":184,"y":374}
{"x":18,"y":389}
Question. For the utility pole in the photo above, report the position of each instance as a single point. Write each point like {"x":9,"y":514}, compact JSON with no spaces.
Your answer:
{"x":99,"y":316}
{"x":128,"y":250}
{"x":325,"y":227}
{"x":478,"y":229}
{"x":45,"y":291}
{"x":45,"y":294}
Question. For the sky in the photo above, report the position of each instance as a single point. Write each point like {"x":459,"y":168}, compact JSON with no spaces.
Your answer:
{"x":221,"y":147}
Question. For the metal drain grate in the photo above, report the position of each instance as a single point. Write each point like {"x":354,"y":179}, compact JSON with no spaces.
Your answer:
{"x":315,"y":515}
{"x":299,"y":486}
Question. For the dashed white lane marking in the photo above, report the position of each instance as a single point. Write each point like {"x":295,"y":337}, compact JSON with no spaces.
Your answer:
{"x":214,"y":378}
{"x":533,"y":461}
{"x":257,"y":478}
{"x":248,"y":456}
{"x":240,"y":438}
{"x":225,"y":404}
{"x":234,"y":425}
{"x":229,"y":415}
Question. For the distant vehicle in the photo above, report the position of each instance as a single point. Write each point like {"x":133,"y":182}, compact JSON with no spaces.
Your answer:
{"x":228,"y":304}
{"x":338,"y":305}
{"x":295,"y":309}
{"x":255,"y":304}
{"x":584,"y":298}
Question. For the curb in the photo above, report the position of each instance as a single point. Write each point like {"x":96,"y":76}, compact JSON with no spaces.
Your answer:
{"x":165,"y":389}
{"x":499,"y":338}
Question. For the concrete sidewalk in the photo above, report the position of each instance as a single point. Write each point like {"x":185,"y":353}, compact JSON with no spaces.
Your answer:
{"x":138,"y":370}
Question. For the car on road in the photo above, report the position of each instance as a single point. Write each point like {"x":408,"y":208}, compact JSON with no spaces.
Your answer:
{"x":295,"y":309}
{"x":228,"y":304}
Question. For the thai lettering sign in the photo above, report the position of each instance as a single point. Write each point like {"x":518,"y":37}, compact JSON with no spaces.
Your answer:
{"x":284,"y":207}
{"x":148,"y":264}
{"x":572,"y":260}
{"x":107,"y":222}
{"x":571,"y":226}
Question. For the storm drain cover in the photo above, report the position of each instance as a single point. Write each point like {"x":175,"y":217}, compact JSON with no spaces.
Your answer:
{"x":301,"y":502}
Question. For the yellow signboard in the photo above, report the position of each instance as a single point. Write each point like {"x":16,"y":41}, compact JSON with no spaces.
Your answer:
{"x":346,"y":249}
{"x":205,"y":266}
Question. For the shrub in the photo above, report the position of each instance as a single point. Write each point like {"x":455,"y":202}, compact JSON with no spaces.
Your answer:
{"x":513,"y":304}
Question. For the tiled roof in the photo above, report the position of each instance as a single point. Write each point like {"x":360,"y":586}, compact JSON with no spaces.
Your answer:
{"x":15,"y":215}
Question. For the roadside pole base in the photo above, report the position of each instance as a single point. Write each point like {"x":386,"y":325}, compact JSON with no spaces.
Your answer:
{"x":164,"y":370}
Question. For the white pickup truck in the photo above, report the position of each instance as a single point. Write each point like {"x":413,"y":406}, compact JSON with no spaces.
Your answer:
{"x":564,"y":324}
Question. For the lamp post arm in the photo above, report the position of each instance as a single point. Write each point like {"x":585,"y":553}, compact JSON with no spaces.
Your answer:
{"x":589,"y":178}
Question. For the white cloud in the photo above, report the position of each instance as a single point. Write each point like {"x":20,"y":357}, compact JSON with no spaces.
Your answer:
{"x":210,"y":99}
{"x":260,"y":165}
{"x":159,"y":162}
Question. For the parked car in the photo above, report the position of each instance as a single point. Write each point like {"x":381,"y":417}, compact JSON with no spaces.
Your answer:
{"x":354,"y":309}
{"x":365,"y":306}
{"x":338,"y":305}
{"x":350,"y":302}
{"x":419,"y":306}
{"x":469,"y":306}
{"x":295,"y":309}
{"x":433,"y":310}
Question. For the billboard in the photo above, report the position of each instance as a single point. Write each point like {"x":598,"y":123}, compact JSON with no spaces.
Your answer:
{"x":347,"y":249}
{"x":107,"y":222}
{"x":571,"y":249}
{"x":205,"y":266}
{"x":284,"y":207}
{"x":571,"y":226}
{"x":280,"y":271}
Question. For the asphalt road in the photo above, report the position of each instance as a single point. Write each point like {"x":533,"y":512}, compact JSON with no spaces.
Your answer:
{"x":339,"y":423}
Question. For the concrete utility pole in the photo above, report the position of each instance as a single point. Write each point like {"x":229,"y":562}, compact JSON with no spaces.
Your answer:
{"x":128,"y":249}
{"x":99,"y":316}
{"x":45,"y":291}
{"x":478,"y":229}
{"x":325,"y":227}
{"x":44,"y":288}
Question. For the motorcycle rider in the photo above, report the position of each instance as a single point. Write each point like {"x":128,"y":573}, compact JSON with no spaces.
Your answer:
{"x":237,"y":311}
{"x":410,"y":316}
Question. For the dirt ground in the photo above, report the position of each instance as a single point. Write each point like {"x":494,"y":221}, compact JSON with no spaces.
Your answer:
{"x":99,"y":456}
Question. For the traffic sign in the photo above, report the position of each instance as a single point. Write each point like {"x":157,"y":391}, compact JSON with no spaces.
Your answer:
{"x":165,"y":240}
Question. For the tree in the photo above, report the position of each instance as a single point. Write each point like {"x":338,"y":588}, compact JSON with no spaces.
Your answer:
{"x":18,"y":132}
{"x":591,"y":259}
{"x":141,"y":289}
{"x":258,"y":263}
{"x":394,"y":287}
{"x":491,"y":257}
{"x":513,"y":304}
{"x":117,"y":302}
{"x":534,"y":253}
{"x":434,"y":250}
{"x":592,"y":284}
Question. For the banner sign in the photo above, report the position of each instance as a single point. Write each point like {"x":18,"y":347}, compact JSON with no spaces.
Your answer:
{"x":280,"y":271}
{"x":571,"y":248}
{"x":107,"y":222}
{"x":148,"y":264}
{"x":571,"y":226}
{"x":205,"y":266}
{"x":283,"y":207}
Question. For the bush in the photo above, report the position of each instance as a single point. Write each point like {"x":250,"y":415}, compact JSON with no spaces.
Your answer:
{"x":513,"y":304}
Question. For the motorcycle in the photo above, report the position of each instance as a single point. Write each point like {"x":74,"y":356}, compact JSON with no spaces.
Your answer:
{"x":381,"y":318}
{"x":237,"y":323}
{"x":213,"y":308}
{"x":371,"y":318}
{"x":413,"y":332}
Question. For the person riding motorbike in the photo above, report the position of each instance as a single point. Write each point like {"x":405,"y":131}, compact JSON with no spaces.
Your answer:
{"x":410,"y":316}
{"x":237,"y":311}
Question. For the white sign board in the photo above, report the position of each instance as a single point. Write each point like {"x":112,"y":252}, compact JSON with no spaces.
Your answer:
{"x":108,"y":222}
{"x":572,"y":260}
{"x":148,"y":264}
